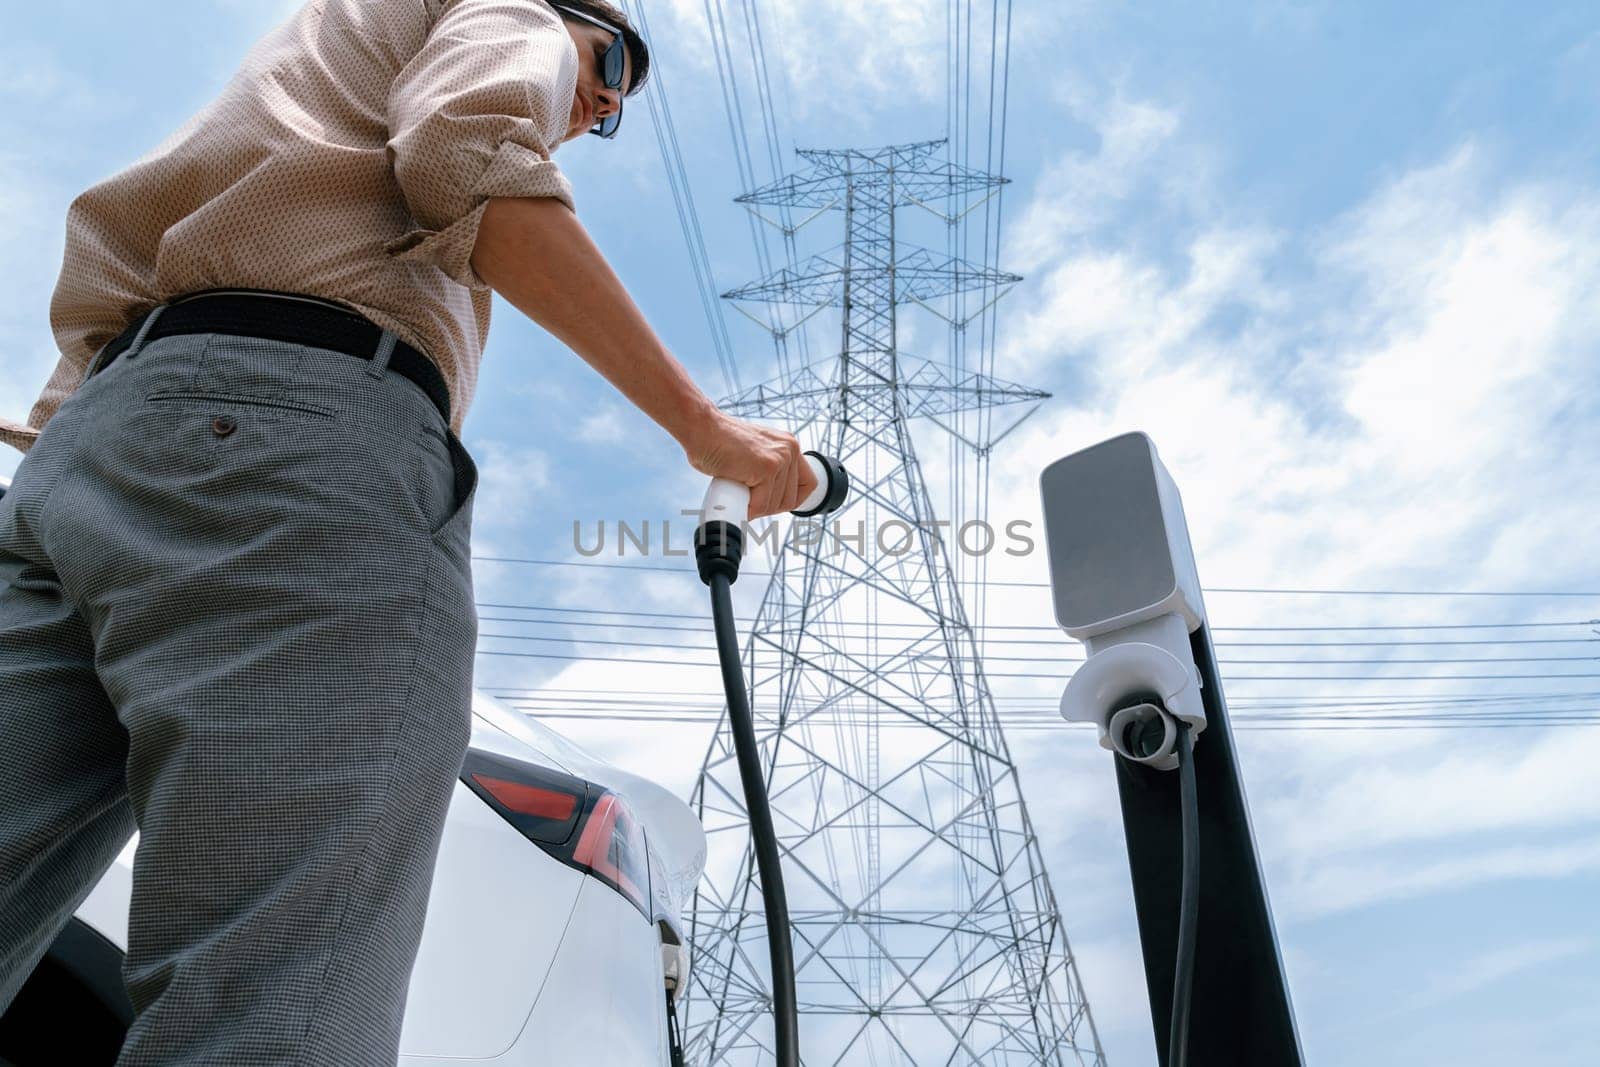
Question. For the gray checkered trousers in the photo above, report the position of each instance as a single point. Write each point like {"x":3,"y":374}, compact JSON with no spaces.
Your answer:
{"x":237,"y":616}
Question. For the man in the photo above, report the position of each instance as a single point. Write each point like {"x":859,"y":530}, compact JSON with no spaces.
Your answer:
{"x":237,"y":608}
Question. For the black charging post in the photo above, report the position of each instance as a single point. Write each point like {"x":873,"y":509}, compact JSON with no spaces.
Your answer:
{"x":1123,"y":581}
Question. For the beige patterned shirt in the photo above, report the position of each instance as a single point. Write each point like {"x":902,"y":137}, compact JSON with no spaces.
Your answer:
{"x":350,"y":157}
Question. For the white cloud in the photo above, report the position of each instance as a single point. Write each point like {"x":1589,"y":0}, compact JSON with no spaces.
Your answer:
{"x":1457,"y":794}
{"x":30,"y":207}
{"x":828,"y":61}
{"x":1417,"y":375}
{"x":40,"y":80}
{"x":1340,"y":884}
{"x":605,"y":427}
{"x":1496,"y":965}
{"x":1079,"y":190}
{"x":1113,"y":981}
{"x":1394,"y":402}
{"x":270,"y":13}
{"x":510,"y":479}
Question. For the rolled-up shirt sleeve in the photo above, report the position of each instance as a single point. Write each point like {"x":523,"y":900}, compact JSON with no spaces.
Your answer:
{"x":476,"y":114}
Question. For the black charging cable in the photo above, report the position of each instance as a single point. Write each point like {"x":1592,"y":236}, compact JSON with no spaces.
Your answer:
{"x":719,"y":546}
{"x":785,"y":1014}
{"x":1188,"y":900}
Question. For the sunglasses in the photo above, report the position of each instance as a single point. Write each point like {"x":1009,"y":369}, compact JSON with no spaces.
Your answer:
{"x":611,"y":67}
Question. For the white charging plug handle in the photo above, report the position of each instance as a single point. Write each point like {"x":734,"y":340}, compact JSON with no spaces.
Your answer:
{"x":726,"y":500}
{"x":729,"y":501}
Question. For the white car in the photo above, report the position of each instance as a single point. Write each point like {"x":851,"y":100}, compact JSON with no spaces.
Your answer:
{"x":554,"y":931}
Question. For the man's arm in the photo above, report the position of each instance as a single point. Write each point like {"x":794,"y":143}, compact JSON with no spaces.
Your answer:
{"x":472,"y":121}
{"x":536,"y":253}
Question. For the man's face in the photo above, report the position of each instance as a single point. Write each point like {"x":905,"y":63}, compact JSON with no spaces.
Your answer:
{"x":593,"y":101}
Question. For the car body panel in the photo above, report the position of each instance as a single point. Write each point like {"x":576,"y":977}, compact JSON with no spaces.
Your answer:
{"x":497,"y":914}
{"x":589,"y":1009}
{"x":524,"y":960}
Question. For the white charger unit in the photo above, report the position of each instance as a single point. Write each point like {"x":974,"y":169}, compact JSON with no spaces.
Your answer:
{"x":1123,"y":580}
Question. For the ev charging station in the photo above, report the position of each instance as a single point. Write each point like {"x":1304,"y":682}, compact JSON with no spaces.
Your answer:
{"x":1124,"y":582}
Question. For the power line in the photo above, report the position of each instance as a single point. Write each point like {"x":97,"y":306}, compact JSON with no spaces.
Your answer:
{"x":1326,"y":703}
{"x":1519,"y":703}
{"x":1290,"y":717}
{"x":1051,"y":712}
{"x":1071,"y":658}
{"x":688,"y":216}
{"x":1046,"y":585}
{"x":1058,"y":640}
{"x":1232,"y":678}
{"x":1568,"y":624}
{"x":1240,"y":721}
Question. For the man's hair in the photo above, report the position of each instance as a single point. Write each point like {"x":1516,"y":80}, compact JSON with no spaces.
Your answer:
{"x":638,"y":51}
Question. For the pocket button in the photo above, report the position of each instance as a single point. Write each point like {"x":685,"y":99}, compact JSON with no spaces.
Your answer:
{"x":222,"y":425}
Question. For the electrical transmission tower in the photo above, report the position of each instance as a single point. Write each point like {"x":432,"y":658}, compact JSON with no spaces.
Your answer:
{"x":925,"y":928}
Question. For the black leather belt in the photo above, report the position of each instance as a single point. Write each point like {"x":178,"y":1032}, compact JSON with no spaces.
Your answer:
{"x":284,"y":317}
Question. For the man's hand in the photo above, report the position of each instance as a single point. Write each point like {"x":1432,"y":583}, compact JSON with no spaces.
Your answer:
{"x":769,"y":461}
{"x":534,"y":252}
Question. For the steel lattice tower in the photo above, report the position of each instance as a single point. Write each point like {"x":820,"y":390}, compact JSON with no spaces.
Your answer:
{"x":925,"y":928}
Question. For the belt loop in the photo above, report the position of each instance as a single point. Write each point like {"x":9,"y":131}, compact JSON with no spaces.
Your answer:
{"x":380,"y":358}
{"x":94,"y":362}
{"x":144,"y":330}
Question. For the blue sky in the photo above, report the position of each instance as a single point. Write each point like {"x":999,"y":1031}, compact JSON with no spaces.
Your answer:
{"x":1341,"y":261}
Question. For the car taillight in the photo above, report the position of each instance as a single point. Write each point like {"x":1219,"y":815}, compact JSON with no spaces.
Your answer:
{"x":575,"y":821}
